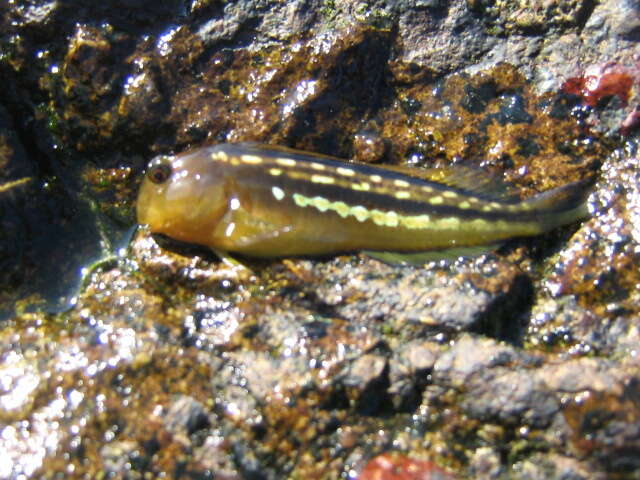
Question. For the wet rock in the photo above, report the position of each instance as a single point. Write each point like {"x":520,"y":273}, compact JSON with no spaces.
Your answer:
{"x":117,"y":457}
{"x":430,"y":301}
{"x":471,"y":356}
{"x":212,"y":456}
{"x":185,"y":416}
{"x":434,"y":40}
{"x":238,"y":403}
{"x":269,"y":378}
{"x":514,"y":397}
{"x":521,"y":363}
{"x":16,"y":175}
{"x":493,"y":384}
{"x":524,"y":18}
{"x":554,"y":466}
{"x":599,"y":267}
{"x":485,"y":463}
{"x":613,"y":22}
{"x":366,"y":382}
{"x":368,"y":147}
{"x":408,"y":372}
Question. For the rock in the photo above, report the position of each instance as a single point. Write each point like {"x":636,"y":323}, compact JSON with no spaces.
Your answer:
{"x":408,"y":373}
{"x":441,"y":302}
{"x":398,"y":467}
{"x":513,"y":397}
{"x":185,"y":417}
{"x":518,"y":363}
{"x":471,"y":356}
{"x":213,"y":457}
{"x":117,"y":457}
{"x":554,"y":466}
{"x":486,"y":463}
{"x":366,"y":382}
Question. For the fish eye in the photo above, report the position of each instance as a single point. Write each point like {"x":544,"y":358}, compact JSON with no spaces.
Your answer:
{"x":159,"y":172}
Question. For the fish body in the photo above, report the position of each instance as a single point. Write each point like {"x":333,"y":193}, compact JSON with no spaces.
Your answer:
{"x":262,"y":201}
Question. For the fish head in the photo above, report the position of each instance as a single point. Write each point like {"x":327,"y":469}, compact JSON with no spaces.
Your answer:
{"x":183,"y":196}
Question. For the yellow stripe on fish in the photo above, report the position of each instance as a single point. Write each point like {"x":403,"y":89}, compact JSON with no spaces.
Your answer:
{"x":267,"y":202}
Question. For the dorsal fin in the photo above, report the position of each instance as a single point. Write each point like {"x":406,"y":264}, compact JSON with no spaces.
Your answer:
{"x":465,"y":178}
{"x":290,"y":151}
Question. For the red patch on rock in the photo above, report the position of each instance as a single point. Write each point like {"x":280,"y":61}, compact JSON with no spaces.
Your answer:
{"x":600,"y":81}
{"x":400,"y":467}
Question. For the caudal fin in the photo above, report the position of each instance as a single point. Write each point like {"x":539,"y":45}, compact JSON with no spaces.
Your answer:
{"x":562,"y":205}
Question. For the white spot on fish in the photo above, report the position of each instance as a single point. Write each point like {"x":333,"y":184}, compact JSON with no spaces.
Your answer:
{"x":375,"y":178}
{"x":317,"y":166}
{"x":321,"y":203}
{"x":448,"y":223}
{"x":385,"y":219}
{"x":277,"y":192}
{"x":416,"y":222}
{"x":251,"y":159}
{"x":480,"y":224}
{"x":322,"y":179}
{"x":301,"y":200}
{"x":342,"y":209}
{"x":464,"y":205}
{"x":402,"y":195}
{"x":361,"y":213}
{"x":401,"y":183}
{"x":220,"y":156}
{"x":450,"y":194}
{"x":437,"y":200}
{"x":392,"y":219}
{"x":361,"y":187}
{"x":275,"y":171}
{"x":379,"y":217}
{"x":286,"y":162}
{"x":234,"y":204}
{"x":347,"y":172}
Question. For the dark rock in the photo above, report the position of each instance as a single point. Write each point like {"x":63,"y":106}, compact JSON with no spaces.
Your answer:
{"x":486,"y":463}
{"x":117,"y":457}
{"x":510,"y":397}
{"x":366,"y":382}
{"x":598,"y":267}
{"x":408,"y":373}
{"x":185,"y":416}
{"x":540,"y":467}
{"x":212,"y":456}
{"x":471,"y":356}
{"x":430,"y":301}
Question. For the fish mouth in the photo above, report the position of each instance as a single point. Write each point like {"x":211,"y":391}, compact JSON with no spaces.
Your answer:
{"x":150,"y":206}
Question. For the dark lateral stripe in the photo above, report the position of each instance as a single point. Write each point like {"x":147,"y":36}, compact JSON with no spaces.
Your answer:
{"x":366,"y":186}
{"x":383,"y":201}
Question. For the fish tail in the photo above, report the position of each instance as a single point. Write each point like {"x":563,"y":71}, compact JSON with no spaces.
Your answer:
{"x":562,"y":205}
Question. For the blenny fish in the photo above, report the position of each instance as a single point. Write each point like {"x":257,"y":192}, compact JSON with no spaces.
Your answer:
{"x":263,"y":201}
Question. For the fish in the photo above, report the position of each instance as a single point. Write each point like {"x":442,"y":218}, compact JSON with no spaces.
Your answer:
{"x":264,"y":201}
